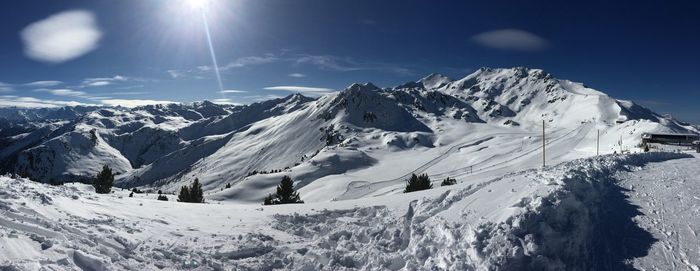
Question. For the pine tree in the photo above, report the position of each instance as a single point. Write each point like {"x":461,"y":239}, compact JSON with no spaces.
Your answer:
{"x":104,"y":180}
{"x":285,"y":193}
{"x":269,"y":200}
{"x":193,"y":193}
{"x":228,"y":185}
{"x":162,"y":197}
{"x":184,"y":195}
{"x":448,"y":181}
{"x":196,"y":193}
{"x":417,"y":183}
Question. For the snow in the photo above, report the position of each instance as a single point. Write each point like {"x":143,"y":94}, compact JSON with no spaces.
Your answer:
{"x":666,"y":195}
{"x":538,"y":218}
{"x":349,"y":154}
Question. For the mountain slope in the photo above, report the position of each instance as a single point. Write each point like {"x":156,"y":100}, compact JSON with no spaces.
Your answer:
{"x":359,"y":142}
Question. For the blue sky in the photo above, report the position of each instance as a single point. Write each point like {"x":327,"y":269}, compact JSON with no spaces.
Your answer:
{"x":131,"y":52}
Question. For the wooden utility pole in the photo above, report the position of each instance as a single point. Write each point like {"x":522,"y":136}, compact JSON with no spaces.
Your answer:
{"x":544,"y":141}
{"x":597,"y":144}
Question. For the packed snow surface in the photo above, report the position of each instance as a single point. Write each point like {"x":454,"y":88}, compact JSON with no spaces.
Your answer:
{"x":556,"y":218}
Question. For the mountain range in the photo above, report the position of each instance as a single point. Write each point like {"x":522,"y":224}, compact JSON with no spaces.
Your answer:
{"x":334,"y":144}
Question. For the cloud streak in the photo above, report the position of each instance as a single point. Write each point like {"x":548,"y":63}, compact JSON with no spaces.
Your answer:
{"x":61,"y":37}
{"x":31,"y":102}
{"x":67,"y":92}
{"x":511,"y":40}
{"x":43,"y":84}
{"x":322,"y":62}
{"x":301,"y":89}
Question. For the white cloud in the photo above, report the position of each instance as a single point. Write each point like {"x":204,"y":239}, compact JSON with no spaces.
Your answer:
{"x":30,"y":102}
{"x":224,"y":101}
{"x":232,"y":91}
{"x":129,"y":93}
{"x":67,"y":92}
{"x":44,"y":84}
{"x":104,"y":81}
{"x":297,"y":75}
{"x":61,"y":37}
{"x":511,"y":39}
{"x":5,"y":88}
{"x":132,"y":103}
{"x":248,"y":61}
{"x":300,"y":89}
{"x":98,"y":84}
{"x":346,"y":64}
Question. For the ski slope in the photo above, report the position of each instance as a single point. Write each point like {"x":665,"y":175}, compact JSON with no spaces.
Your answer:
{"x":546,"y":219}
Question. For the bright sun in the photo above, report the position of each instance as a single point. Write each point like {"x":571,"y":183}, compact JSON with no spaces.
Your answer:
{"x":196,"y":4}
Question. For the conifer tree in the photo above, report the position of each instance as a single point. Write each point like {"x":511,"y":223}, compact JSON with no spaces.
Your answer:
{"x":184,"y":195}
{"x":448,"y":181}
{"x":192,"y":193}
{"x":285,"y":193}
{"x":417,"y":183}
{"x":104,"y":180}
{"x":196,"y":193}
{"x":269,"y":200}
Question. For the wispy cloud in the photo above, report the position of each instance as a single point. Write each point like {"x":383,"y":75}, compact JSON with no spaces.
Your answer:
{"x":323,"y":62}
{"x":232,"y":91}
{"x":67,"y":92}
{"x":249,"y":61}
{"x":511,"y":39}
{"x":129,"y":93}
{"x":61,"y":37}
{"x":132,"y":103}
{"x":346,"y":64}
{"x":43,"y":84}
{"x":103,"y":81}
{"x":301,"y":89}
{"x":31,"y":102}
{"x":6,"y":88}
{"x":224,"y":101}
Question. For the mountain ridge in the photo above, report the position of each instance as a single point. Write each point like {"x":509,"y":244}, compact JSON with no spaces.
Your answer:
{"x":353,"y":130}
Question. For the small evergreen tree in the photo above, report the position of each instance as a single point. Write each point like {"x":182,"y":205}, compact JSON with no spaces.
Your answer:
{"x":269,"y":200}
{"x":162,"y":197}
{"x":184,"y":195}
{"x":448,"y":181}
{"x":285,"y":193}
{"x":196,"y":193}
{"x":104,"y":180}
{"x":228,"y":185}
{"x":193,"y":193}
{"x":417,"y":183}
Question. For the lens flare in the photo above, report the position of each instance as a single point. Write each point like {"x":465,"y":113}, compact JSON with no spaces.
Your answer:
{"x":213,"y":54}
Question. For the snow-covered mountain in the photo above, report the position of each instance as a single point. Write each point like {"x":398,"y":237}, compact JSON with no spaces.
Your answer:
{"x":336,"y":146}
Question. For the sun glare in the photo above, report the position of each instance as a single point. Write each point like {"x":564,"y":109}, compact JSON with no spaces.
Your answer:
{"x":196,"y":4}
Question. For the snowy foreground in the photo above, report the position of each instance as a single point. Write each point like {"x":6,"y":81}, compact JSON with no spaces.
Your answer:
{"x":601,"y":213}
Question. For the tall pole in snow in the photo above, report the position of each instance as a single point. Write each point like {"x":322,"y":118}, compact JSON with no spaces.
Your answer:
{"x":544,"y":140}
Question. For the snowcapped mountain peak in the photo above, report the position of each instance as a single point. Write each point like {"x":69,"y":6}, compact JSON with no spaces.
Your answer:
{"x":435,"y":81}
{"x":362,"y":87}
